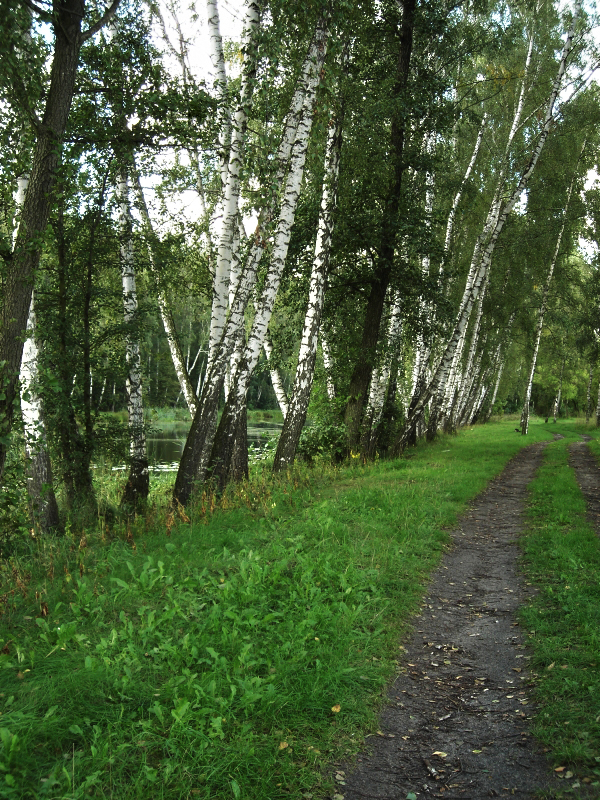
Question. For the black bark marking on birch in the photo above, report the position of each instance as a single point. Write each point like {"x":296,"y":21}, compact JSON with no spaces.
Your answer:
{"x":458,"y":690}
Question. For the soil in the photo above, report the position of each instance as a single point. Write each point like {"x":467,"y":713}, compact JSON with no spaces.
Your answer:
{"x":456,"y":723}
{"x":587,"y":473}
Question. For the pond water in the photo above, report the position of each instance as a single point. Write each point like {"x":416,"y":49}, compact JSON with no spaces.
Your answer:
{"x":166,"y":446}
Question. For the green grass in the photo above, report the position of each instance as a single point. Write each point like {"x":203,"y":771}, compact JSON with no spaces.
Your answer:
{"x":206,"y":657}
{"x":562,"y":559}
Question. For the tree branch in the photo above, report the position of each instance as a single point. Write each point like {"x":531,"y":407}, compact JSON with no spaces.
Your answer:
{"x":45,"y":15}
{"x":106,"y":17}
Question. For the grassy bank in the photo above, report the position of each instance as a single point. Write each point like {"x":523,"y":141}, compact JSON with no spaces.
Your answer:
{"x":229,"y":653}
{"x":562,"y":558}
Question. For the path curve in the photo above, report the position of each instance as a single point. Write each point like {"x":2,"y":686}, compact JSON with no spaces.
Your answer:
{"x":456,"y":725}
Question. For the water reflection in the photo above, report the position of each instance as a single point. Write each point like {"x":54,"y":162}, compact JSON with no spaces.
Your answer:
{"x":166,"y":446}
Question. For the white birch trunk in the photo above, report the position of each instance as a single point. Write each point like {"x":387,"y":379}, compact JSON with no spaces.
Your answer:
{"x":544,"y":304}
{"x":556,"y":407}
{"x":328,"y":366}
{"x":181,"y":370}
{"x":236,"y":400}
{"x":457,"y":197}
{"x":138,"y":481}
{"x":276,"y":378}
{"x":219,"y":313}
{"x":232,"y":185}
{"x":201,"y":437}
{"x":42,"y":501}
{"x":217,"y":60}
{"x":484,"y":249}
{"x":381,"y":375}
{"x":307,"y":354}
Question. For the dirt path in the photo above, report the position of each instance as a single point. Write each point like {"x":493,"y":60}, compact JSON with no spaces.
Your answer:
{"x":456,"y":724}
{"x":587,"y":473}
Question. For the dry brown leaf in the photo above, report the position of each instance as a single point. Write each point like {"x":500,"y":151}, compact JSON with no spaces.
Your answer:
{"x":440,"y":753}
{"x":336,"y":708}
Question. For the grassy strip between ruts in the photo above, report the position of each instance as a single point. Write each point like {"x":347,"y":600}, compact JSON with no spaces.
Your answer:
{"x":562,"y":559}
{"x":237,"y":657}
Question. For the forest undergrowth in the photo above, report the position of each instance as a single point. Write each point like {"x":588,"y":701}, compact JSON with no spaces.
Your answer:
{"x":236,"y":649}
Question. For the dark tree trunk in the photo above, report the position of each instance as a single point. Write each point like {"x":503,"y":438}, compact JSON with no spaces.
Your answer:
{"x":361,"y":376}
{"x":75,"y":449}
{"x":42,"y":501}
{"x":36,"y":207}
{"x":228,"y":461}
{"x":67,"y":16}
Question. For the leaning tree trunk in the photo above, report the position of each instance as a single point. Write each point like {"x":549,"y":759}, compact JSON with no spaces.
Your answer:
{"x":138,"y":483}
{"x":199,"y":444}
{"x":222,"y":467}
{"x":233,"y":184}
{"x":18,"y":286}
{"x":181,"y":370}
{"x":300,"y":397}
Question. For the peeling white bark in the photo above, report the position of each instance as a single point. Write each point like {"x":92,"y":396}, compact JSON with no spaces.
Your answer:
{"x":328,"y":366}
{"x":232,"y":184}
{"x":307,"y":354}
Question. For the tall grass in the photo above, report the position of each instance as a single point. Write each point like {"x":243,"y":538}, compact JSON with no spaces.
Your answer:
{"x":232,"y":650}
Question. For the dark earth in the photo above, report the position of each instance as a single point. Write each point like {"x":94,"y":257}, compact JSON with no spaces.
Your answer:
{"x":456,"y":724}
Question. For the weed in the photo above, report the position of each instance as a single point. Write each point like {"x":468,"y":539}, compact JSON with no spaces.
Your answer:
{"x":237,"y":656}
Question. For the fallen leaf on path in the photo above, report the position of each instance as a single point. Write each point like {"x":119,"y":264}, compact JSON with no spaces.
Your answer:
{"x":440,"y":753}
{"x":477,"y":751}
{"x":568,"y":775}
{"x":559,"y":769}
{"x":283,"y":745}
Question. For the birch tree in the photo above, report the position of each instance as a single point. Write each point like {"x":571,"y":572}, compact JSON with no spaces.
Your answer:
{"x":486,"y":243}
{"x":295,"y":418}
{"x":200,"y":440}
{"x":543,"y":306}
{"x":222,"y":466}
